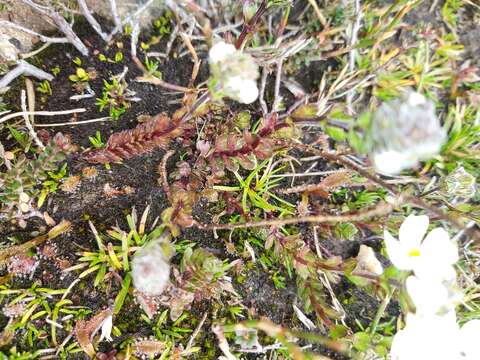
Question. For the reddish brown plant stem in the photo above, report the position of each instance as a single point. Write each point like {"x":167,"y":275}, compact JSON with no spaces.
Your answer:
{"x":249,"y":26}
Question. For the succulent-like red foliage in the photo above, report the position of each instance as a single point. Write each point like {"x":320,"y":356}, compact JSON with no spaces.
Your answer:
{"x":145,"y":137}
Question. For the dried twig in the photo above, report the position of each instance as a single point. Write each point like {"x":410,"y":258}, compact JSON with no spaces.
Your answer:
{"x":131,"y":17}
{"x":162,"y":169}
{"x":27,"y":119}
{"x":319,"y":13}
{"x":195,"y":333}
{"x":61,"y":23}
{"x":134,"y":38}
{"x":41,"y":113}
{"x":74,"y":123}
{"x":56,"y":231}
{"x":116,"y":17}
{"x":196,"y":61}
{"x":23,"y":68}
{"x":91,"y":20}
{"x":42,"y":38}
{"x":381,"y":209}
{"x":222,"y":342}
{"x":159,"y":82}
{"x":341,"y":159}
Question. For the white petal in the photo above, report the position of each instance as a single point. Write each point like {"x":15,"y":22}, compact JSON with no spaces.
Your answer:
{"x":390,"y":162}
{"x":429,"y":297}
{"x":397,"y":254}
{"x":248,"y":92}
{"x":469,"y":336}
{"x":427,"y":337}
{"x":415,"y":99}
{"x":413,"y":230}
{"x":438,"y":245}
{"x":107,"y":329}
{"x":220,"y":51}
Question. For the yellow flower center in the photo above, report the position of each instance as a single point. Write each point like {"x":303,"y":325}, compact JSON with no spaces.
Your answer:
{"x":414,"y":253}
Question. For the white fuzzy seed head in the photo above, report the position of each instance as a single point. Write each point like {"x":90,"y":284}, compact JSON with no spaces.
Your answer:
{"x":221,"y":51}
{"x":233,"y":74}
{"x":151,"y":268}
{"x":405,"y":131}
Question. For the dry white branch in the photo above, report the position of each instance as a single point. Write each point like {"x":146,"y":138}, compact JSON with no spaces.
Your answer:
{"x":28,"y":124}
{"x":61,"y":23}
{"x":70,"y":123}
{"x":42,"y":38}
{"x":91,"y":20}
{"x":116,"y":17}
{"x":131,"y":17}
{"x":23,"y":68}
{"x":134,"y":37}
{"x":41,"y":113}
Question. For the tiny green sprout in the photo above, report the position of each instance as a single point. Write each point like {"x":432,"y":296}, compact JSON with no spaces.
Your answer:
{"x":55,"y":70}
{"x":118,"y":57}
{"x":162,"y":24}
{"x":50,"y":185}
{"x":116,"y":97}
{"x":256,"y":189}
{"x":96,"y":140}
{"x":102,"y":57}
{"x":80,"y":76}
{"x":44,"y":88}
{"x":77,"y":61}
{"x":278,"y":280}
{"x":346,"y":231}
{"x":152,"y":68}
{"x":127,"y":30}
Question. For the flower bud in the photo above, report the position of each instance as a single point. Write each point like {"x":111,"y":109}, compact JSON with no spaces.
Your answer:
{"x":403,"y":132}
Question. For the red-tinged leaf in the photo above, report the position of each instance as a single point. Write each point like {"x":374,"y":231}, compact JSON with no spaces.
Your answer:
{"x":149,"y":348}
{"x":85,"y":330}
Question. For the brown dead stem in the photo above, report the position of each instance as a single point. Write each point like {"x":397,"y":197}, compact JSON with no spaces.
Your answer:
{"x":162,"y":170}
{"x":56,"y":231}
{"x":381,"y":209}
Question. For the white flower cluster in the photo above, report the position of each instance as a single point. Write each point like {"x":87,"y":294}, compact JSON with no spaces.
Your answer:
{"x":233,"y":73}
{"x":405,"y":131}
{"x":431,"y":332}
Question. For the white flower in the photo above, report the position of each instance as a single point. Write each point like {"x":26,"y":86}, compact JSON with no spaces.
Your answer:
{"x":245,"y":90}
{"x":427,"y":337}
{"x":107,"y":329}
{"x":469,"y":336}
{"x":233,"y":74}
{"x":403,"y":132}
{"x":151,"y":268}
{"x":431,"y":258}
{"x":221,"y":51}
{"x":432,"y":297}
